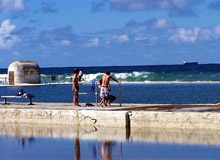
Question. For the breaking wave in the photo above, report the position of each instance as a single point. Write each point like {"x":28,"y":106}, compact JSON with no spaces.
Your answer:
{"x":141,"y":77}
{"x":170,"y":73}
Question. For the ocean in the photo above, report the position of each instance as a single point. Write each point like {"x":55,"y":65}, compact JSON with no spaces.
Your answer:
{"x":147,"y":93}
{"x":148,"y":73}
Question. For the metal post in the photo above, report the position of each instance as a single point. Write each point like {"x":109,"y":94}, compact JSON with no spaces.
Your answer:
{"x":120,"y":93}
{"x":96,"y":92}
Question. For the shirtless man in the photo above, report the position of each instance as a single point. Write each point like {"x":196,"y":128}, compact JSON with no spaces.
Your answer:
{"x":110,"y":98}
{"x":76,"y":88}
{"x":104,"y":88}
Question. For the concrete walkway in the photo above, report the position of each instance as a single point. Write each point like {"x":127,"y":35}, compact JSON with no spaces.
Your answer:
{"x":117,"y":107}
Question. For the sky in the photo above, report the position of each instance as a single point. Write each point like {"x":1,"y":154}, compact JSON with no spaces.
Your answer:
{"x":64,"y":33}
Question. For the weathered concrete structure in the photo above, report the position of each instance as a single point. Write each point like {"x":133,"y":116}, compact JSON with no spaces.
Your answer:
{"x":72,"y":117}
{"x":129,"y":116}
{"x":21,"y":72}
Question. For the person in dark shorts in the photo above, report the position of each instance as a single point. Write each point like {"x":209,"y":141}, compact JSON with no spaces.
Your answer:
{"x":110,"y":99}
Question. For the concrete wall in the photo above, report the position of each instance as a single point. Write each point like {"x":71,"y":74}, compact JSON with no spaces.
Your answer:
{"x":73,"y":117}
{"x":191,"y":120}
{"x":134,"y":119}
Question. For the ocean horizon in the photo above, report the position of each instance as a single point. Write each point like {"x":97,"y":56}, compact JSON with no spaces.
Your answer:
{"x":133,"y":73}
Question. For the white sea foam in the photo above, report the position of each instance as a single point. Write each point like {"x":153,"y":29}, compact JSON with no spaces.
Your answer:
{"x":137,"y":74}
{"x":91,"y":77}
{"x":3,"y":78}
{"x":3,"y":75}
{"x":133,"y":76}
{"x":122,"y":75}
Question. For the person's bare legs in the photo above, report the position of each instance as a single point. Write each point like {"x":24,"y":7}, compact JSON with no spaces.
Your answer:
{"x":76,"y":104}
{"x":76,"y":97}
{"x":109,"y":103}
{"x":100,"y":104}
{"x":103,"y":102}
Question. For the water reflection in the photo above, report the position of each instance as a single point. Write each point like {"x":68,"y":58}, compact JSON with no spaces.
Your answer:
{"x":24,"y":140}
{"x":106,"y":150}
{"x":27,"y":133}
{"x":77,"y":149}
{"x":103,"y":142}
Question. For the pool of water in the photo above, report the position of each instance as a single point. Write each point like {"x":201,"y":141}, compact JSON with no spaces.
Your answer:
{"x":27,"y":142}
{"x":130,"y":93}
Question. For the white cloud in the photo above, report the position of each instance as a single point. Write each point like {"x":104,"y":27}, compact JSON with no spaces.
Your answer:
{"x":94,"y":42}
{"x":163,"y":5}
{"x":17,"y":54}
{"x":180,"y":3}
{"x":108,"y":43}
{"x":43,"y":47}
{"x":7,"y":40}
{"x":205,"y":34}
{"x":65,"y":54}
{"x":186,"y":35}
{"x":65,"y":43}
{"x":154,"y":23}
{"x":137,"y":5}
{"x":160,"y":23}
{"x":11,"y":5}
{"x":196,"y":34}
{"x":146,"y":39}
{"x":121,"y":38}
{"x":216,"y":31}
{"x":153,"y":40}
{"x":175,"y":7}
{"x":140,"y":37}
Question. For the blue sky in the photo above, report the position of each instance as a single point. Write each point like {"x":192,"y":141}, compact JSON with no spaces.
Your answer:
{"x":63,"y":33}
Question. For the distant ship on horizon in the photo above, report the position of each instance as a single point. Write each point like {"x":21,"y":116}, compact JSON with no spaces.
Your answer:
{"x":190,"y":63}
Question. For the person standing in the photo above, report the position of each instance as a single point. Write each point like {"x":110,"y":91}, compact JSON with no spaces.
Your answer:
{"x":76,"y":87}
{"x":104,"y":89}
{"x":109,"y":98}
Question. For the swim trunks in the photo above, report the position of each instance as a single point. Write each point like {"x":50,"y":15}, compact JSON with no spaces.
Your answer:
{"x":76,"y":92}
{"x":103,"y":92}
